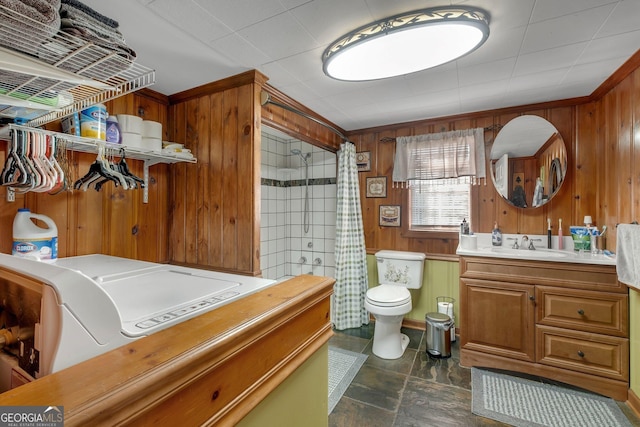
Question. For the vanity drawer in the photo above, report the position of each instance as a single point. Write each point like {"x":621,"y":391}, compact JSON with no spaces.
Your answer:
{"x":584,"y":352}
{"x":598,"y":312}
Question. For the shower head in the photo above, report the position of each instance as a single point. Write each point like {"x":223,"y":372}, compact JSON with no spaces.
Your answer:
{"x":304,"y":157}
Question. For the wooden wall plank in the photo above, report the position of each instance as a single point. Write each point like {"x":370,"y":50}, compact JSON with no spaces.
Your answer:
{"x":193,"y":183}
{"x":203,"y":194}
{"x":178,"y":187}
{"x":230,"y":180}
{"x":215,"y":176}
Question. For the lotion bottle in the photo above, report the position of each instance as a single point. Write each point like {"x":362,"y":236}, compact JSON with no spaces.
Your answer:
{"x":496,"y":235}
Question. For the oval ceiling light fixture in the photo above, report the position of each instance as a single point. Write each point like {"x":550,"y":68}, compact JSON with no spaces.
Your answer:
{"x":406,"y":43}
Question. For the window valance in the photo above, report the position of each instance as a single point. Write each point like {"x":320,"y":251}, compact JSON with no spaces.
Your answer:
{"x":440,"y":155}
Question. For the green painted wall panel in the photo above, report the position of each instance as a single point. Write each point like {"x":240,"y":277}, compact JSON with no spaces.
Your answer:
{"x":634,"y":339}
{"x":301,"y":400}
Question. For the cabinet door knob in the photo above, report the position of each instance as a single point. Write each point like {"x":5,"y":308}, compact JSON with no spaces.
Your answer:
{"x":580,"y":353}
{"x":532,"y":298}
{"x":581,"y":312}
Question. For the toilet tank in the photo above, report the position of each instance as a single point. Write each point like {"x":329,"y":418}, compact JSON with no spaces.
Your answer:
{"x":400,"y":268}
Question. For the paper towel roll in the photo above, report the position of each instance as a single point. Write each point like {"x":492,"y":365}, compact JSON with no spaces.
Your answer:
{"x":446,"y":308}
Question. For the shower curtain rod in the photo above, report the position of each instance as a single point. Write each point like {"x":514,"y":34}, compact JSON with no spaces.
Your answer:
{"x":265,"y":99}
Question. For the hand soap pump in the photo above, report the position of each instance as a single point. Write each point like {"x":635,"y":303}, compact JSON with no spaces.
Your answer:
{"x":464,"y":227}
{"x":496,"y":235}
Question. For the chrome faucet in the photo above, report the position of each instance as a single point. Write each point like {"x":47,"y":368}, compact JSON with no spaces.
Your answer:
{"x":515,"y":242}
{"x":524,"y":241}
{"x":531,"y":245}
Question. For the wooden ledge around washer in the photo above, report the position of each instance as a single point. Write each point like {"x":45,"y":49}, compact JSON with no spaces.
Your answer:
{"x":210,"y":369}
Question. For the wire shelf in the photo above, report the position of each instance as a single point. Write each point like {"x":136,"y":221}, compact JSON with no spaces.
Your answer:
{"x":89,"y":145}
{"x":56,"y":74}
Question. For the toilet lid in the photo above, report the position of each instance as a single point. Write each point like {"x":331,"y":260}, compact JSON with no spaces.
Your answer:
{"x":388,"y":295}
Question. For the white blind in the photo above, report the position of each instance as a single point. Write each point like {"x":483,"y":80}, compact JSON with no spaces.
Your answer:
{"x":439,"y":203}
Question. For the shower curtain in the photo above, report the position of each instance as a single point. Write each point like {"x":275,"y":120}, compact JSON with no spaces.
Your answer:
{"x":351,"y":257}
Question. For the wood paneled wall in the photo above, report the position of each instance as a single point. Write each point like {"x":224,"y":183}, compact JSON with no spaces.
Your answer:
{"x":215,"y":214}
{"x":487,"y":206}
{"x":112,"y":221}
{"x":613,"y":175}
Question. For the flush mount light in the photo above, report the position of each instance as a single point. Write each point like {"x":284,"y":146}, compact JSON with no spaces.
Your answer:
{"x":406,"y":43}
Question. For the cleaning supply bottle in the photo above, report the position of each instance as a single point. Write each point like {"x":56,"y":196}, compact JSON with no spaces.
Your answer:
{"x":32,"y":241}
{"x":496,"y":235}
{"x":113,"y":130}
{"x":560,"y":237}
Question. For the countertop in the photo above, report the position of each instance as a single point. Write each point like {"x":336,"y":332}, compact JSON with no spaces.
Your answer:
{"x":480,"y":245}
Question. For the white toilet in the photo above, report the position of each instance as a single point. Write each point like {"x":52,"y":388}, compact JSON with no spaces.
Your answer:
{"x":389,"y":301}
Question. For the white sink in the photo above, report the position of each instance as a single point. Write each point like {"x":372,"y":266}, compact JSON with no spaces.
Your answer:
{"x":527,"y":253}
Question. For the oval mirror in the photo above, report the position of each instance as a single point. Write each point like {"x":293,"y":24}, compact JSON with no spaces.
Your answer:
{"x":528,"y":161}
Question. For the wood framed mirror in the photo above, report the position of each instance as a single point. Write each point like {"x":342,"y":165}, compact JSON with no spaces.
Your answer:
{"x":528,"y":161}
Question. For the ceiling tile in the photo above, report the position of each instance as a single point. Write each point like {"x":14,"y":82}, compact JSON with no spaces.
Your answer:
{"x":549,"y":59}
{"x":483,"y":73}
{"x":239,"y":13}
{"x":275,"y":37}
{"x":549,"y":9}
{"x":239,"y":51}
{"x":328,"y":20}
{"x":564,"y":30}
{"x":191,"y":18}
{"x":624,"y":18}
{"x":625,"y":44}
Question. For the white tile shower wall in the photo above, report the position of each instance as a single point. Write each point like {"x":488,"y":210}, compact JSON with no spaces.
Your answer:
{"x":283,"y":242}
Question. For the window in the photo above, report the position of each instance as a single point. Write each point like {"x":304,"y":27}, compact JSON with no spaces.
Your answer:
{"x":439,"y":204}
{"x":439,"y":170}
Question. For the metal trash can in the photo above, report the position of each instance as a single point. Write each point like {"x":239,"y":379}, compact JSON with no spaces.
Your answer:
{"x":438,"y":334}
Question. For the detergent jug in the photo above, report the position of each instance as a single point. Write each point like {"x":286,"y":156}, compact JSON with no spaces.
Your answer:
{"x":32,"y":241}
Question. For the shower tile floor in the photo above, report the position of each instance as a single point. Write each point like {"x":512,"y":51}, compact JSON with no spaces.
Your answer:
{"x":414,"y":390}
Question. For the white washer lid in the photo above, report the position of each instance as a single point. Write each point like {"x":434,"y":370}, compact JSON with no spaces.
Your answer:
{"x":388,"y":294}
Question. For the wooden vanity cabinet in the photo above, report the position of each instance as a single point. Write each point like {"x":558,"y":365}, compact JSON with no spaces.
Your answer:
{"x":567,"y":322}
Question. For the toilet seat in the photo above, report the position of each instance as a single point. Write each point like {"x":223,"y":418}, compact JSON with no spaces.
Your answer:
{"x":388,"y":296}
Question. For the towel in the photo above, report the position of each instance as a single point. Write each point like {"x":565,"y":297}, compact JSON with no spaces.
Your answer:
{"x":79,"y":23}
{"x":86,"y":9}
{"x":29,"y":22}
{"x":628,"y":255}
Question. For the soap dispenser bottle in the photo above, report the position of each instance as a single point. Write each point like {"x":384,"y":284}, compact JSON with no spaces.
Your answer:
{"x":464,"y":227}
{"x":496,"y":235}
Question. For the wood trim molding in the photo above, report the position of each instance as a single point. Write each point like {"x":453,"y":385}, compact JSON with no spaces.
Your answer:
{"x":189,"y":372}
{"x":630,"y":65}
{"x":248,"y":77}
{"x":153,"y":95}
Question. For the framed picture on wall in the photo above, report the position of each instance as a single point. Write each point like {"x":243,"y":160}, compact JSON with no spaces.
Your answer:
{"x":390,"y":215}
{"x":377,"y":186}
{"x":363,"y":161}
